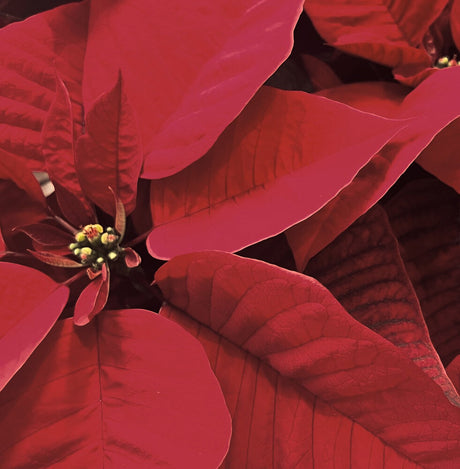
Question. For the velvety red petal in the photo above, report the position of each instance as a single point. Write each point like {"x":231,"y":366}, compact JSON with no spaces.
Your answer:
{"x":93,"y":298}
{"x":363,"y":269}
{"x":278,"y":423}
{"x":58,"y":150}
{"x":30,"y":303}
{"x":17,"y":208}
{"x":384,"y":31}
{"x":109,"y":154}
{"x":295,"y":325}
{"x":47,"y":235}
{"x":16,"y":170}
{"x":131,"y":389}
{"x":433,"y":106}
{"x":424,"y":217}
{"x":190,"y":67}
{"x":32,"y":51}
{"x":278,"y":163}
{"x":441,"y":159}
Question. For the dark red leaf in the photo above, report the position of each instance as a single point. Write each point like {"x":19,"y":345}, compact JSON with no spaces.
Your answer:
{"x":320,"y":74}
{"x":363,"y":269}
{"x":384,"y":31}
{"x":276,"y":422}
{"x":93,"y":298}
{"x":14,"y":169}
{"x":186,"y":97}
{"x":17,"y":208}
{"x":58,"y":151}
{"x":433,"y":106}
{"x":31,"y":53}
{"x":109,"y":155}
{"x":295,"y":325}
{"x":424,"y":217}
{"x":31,"y":303}
{"x":277,"y":157}
{"x":120,"y":215}
{"x":131,"y":389}
{"x":46,"y":234}
{"x":54,"y":259}
{"x":441,"y":159}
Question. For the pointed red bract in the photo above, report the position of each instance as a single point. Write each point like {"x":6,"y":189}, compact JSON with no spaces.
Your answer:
{"x":55,"y":259}
{"x":434,"y":107}
{"x":58,"y":150}
{"x":93,"y":298}
{"x":46,"y":235}
{"x":424,"y":218}
{"x":31,"y":53}
{"x":384,"y":31}
{"x":441,"y":159}
{"x":294,"y":324}
{"x":276,"y":422}
{"x":363,"y":269}
{"x":15,"y":170}
{"x":186,"y":97}
{"x":279,"y":156}
{"x":130,"y":390}
{"x":30,"y":303}
{"x":17,"y":208}
{"x":109,"y":154}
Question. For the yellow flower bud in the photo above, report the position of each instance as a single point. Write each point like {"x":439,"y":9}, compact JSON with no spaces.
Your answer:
{"x":80,"y":237}
{"x":112,"y":255}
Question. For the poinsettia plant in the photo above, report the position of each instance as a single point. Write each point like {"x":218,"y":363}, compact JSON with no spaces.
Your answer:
{"x":172,"y":136}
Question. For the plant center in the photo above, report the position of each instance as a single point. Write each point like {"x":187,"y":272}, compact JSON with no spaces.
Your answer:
{"x":96,"y":246}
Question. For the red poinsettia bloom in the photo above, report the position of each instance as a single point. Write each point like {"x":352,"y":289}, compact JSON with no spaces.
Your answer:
{"x":313,"y":374}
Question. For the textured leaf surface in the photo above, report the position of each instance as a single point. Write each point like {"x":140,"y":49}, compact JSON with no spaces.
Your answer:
{"x":186,"y":97}
{"x":31,"y":53}
{"x":434,"y":108}
{"x":17,"y":208}
{"x":425,"y":218}
{"x":384,"y":31}
{"x":363,"y":269}
{"x":441,"y":159}
{"x":109,"y":155}
{"x":278,"y":423}
{"x":130,"y":390}
{"x":296,"y":326}
{"x":278,"y":156}
{"x":27,"y":314}
{"x":58,"y":135}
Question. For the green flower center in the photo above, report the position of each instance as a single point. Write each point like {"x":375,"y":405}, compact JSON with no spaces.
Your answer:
{"x":96,"y":246}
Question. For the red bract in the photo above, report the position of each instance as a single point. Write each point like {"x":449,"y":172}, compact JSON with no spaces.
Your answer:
{"x":364,"y":271}
{"x":130,"y":390}
{"x":30,"y":304}
{"x":433,"y":108}
{"x":387,"y":32}
{"x":424,"y":217}
{"x":260,"y":314}
{"x":279,"y":156}
{"x":218,"y":54}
